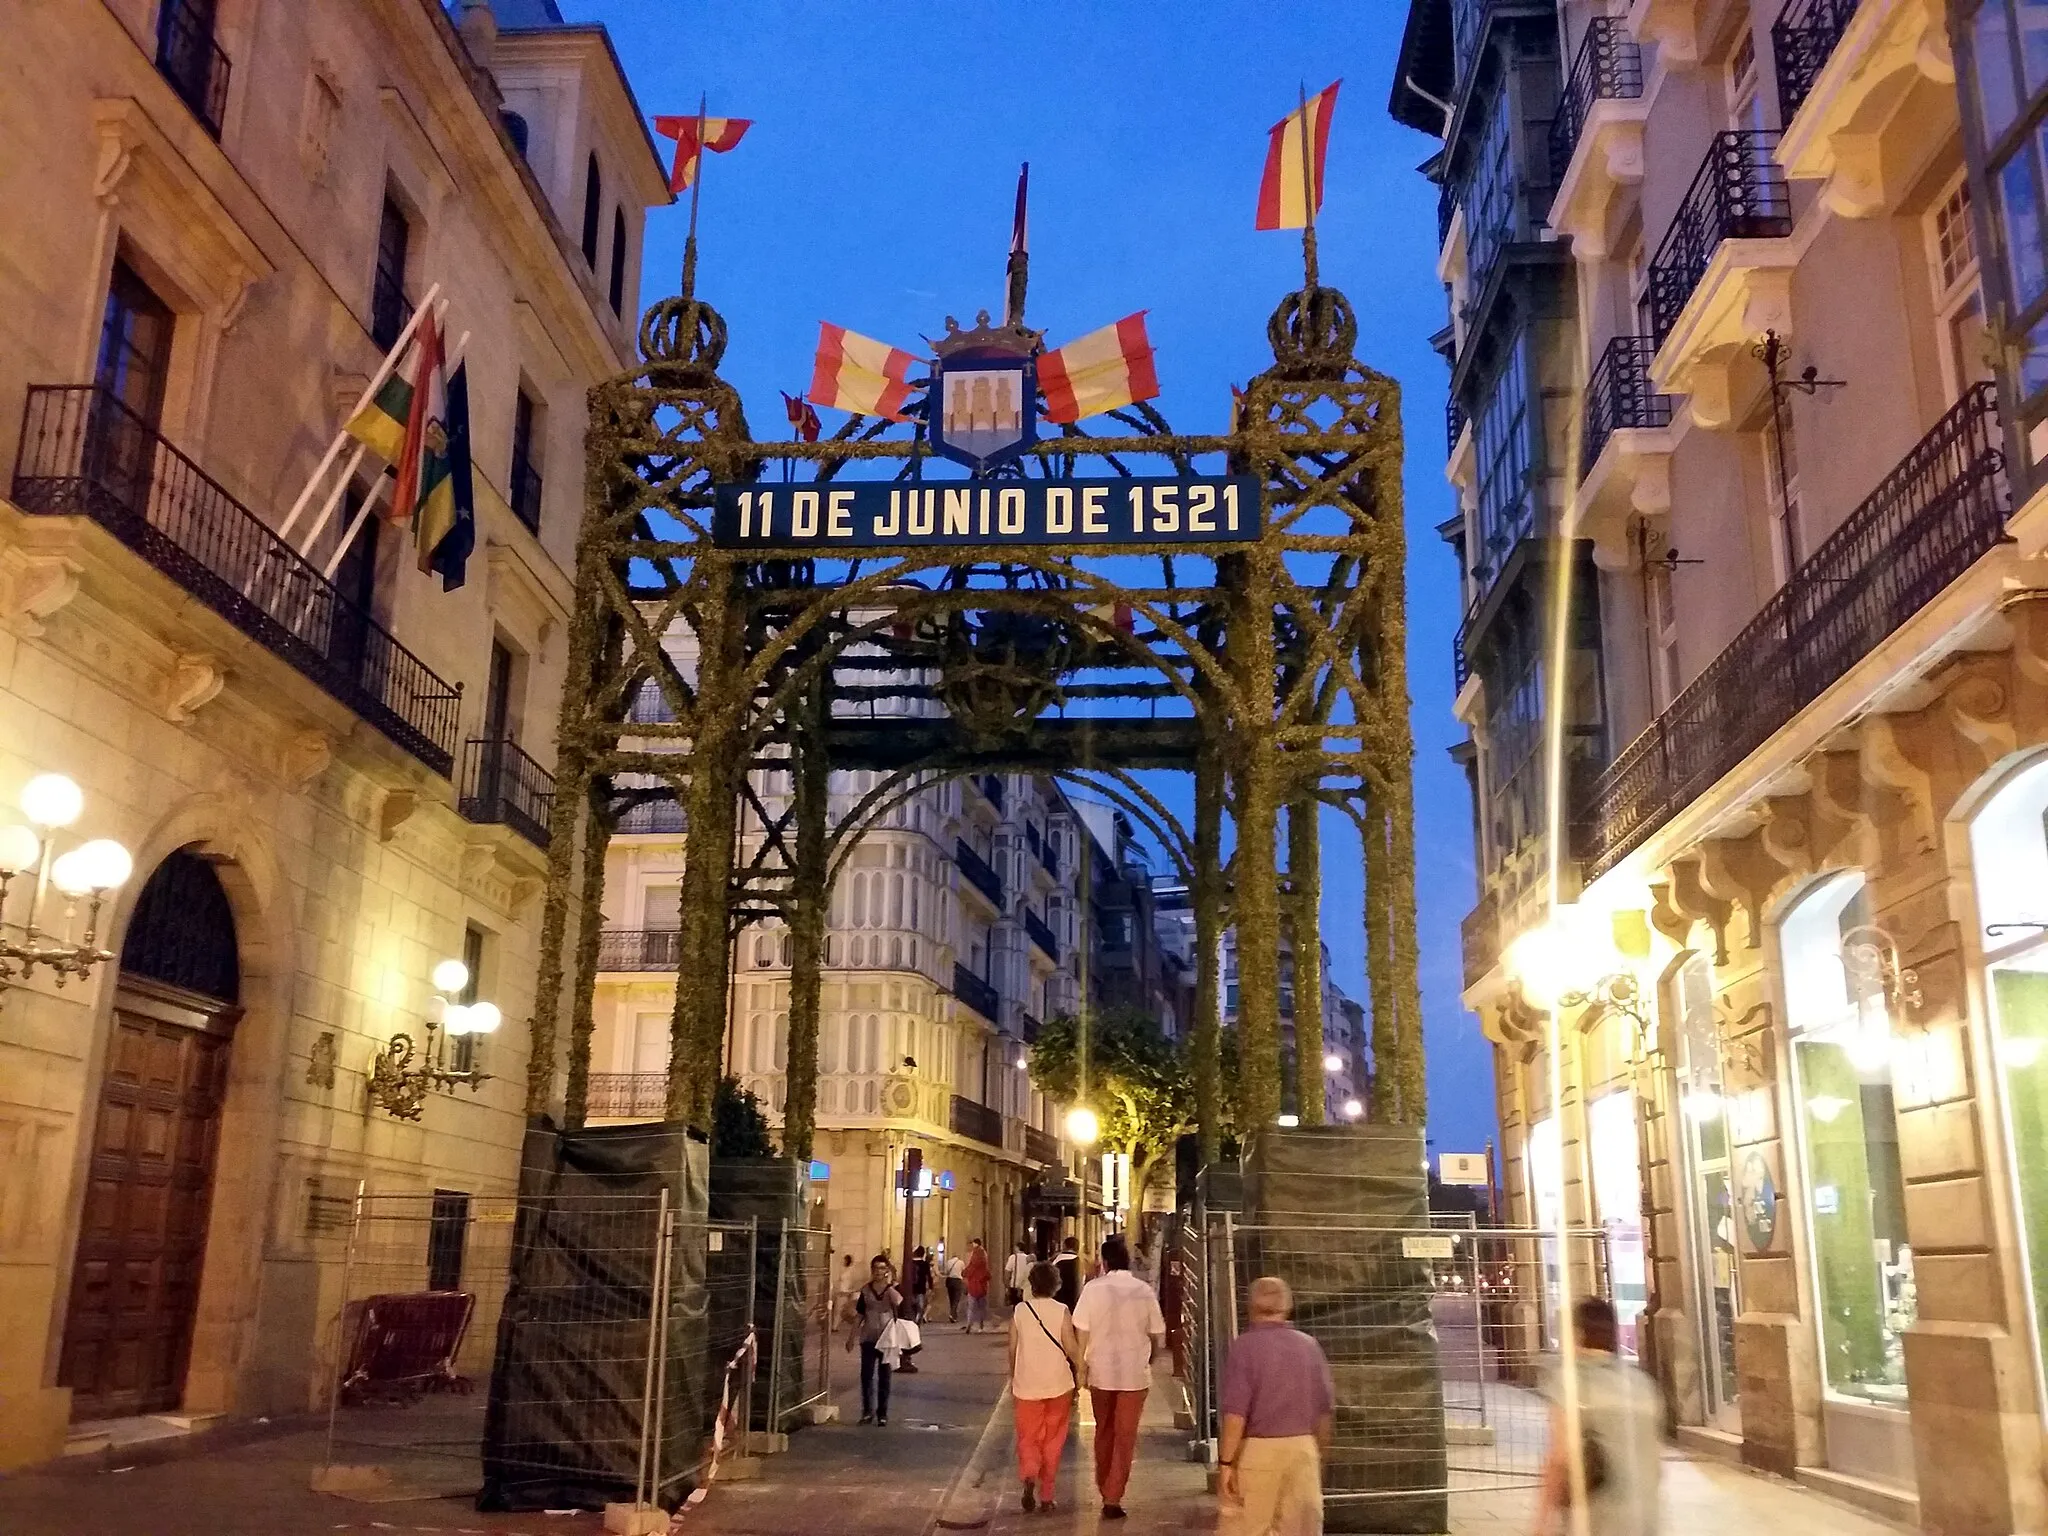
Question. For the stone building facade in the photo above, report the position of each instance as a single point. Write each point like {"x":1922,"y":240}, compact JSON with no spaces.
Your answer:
{"x":331,"y":772}
{"x":1779,"y":1038}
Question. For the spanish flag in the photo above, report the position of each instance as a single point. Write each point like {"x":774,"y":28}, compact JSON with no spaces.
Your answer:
{"x":855,"y":373}
{"x":694,"y":135}
{"x":1287,"y":198}
{"x":1103,"y":371}
{"x":394,"y":423}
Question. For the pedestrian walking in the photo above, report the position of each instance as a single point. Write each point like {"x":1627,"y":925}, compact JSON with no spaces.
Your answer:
{"x":1619,"y":1441}
{"x":1069,"y":1262}
{"x":976,"y":1275}
{"x":956,"y":1286}
{"x":1277,"y":1400}
{"x":876,"y":1305}
{"x":1122,"y":1332}
{"x":1043,"y":1381}
{"x":845,"y":1286}
{"x":1017,"y":1272}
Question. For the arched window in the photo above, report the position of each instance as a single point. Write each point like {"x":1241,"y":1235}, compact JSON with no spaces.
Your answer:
{"x":1839,"y":1023}
{"x":515,"y":129}
{"x":183,"y":931}
{"x":618,"y":282}
{"x":593,"y":210}
{"x":782,"y":1042}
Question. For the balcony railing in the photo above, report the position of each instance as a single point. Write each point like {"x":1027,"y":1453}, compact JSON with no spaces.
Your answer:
{"x":500,"y":783}
{"x":1609,"y":68}
{"x":1803,"y":39}
{"x":1619,"y":395}
{"x":1446,"y":210}
{"x":1049,"y":856}
{"x":189,"y":58}
{"x":978,"y":873}
{"x":525,"y":489}
{"x":1461,"y":659}
{"x":1454,"y":424}
{"x":976,"y":1121}
{"x":654,"y":816}
{"x":1041,"y":1146}
{"x":627,"y":1095}
{"x":991,"y":786}
{"x":1041,"y":935}
{"x":974,"y":992}
{"x":1479,"y":935}
{"x":639,"y":949}
{"x":84,"y":453}
{"x":1028,"y":1027}
{"x":1739,"y":194}
{"x":1930,"y":519}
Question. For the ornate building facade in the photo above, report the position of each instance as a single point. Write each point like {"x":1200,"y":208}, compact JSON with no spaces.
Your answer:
{"x":332,"y":773}
{"x":1781,"y":1047}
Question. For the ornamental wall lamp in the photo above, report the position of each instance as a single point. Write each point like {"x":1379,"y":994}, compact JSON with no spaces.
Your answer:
{"x":399,"y":1084}
{"x":86,"y":873}
{"x":1875,"y":970}
{"x":1570,"y":961}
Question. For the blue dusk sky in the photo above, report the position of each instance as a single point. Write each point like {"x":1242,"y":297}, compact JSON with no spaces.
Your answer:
{"x":875,"y":188}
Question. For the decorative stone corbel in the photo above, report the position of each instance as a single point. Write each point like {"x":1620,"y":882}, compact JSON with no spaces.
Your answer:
{"x":393,"y":811}
{"x":1692,"y":899}
{"x":305,"y":757}
{"x":37,"y":586}
{"x":117,"y":153}
{"x":1898,"y":765}
{"x":241,"y":282}
{"x":1672,"y":25}
{"x":1786,"y":832}
{"x":1839,"y":809}
{"x":1666,"y":918}
{"x":1742,"y":871}
{"x":194,"y":681}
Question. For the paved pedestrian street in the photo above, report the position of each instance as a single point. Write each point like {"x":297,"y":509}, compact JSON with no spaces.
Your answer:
{"x":944,"y":1463}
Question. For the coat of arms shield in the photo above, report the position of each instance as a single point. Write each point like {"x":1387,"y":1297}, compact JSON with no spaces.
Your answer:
{"x":984,"y":396}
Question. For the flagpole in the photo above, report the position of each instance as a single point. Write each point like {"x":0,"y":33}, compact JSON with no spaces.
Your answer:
{"x":696,"y":194}
{"x":1308,"y":194}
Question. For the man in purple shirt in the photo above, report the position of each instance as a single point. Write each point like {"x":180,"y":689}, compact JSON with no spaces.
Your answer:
{"x":1277,"y":1403}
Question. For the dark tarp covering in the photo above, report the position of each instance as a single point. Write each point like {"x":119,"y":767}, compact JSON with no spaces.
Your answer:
{"x":1365,"y":1302}
{"x":563,"y":1428}
{"x":768,"y":1191}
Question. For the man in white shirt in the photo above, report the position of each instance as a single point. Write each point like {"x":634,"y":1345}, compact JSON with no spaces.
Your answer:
{"x":1017,"y":1273}
{"x":1122,"y":1332}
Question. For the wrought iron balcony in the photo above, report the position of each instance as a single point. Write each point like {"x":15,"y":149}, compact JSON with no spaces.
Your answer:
{"x":189,"y":58}
{"x":991,"y":787}
{"x":1738,"y":194}
{"x":1446,"y":210}
{"x":639,"y":949}
{"x":1041,"y":1146}
{"x":974,"y":992}
{"x":84,"y":453}
{"x":1619,"y":395}
{"x":978,"y":873}
{"x":1461,"y":660}
{"x":1049,"y":856}
{"x":1479,"y":936}
{"x":1454,"y":424}
{"x":976,"y":1121}
{"x":1028,"y":1024}
{"x":501,"y":784}
{"x":1928,"y":522}
{"x":1609,"y":68}
{"x":1803,"y":39}
{"x":627,"y":1095}
{"x":525,"y":488}
{"x":1041,"y":935}
{"x":654,"y":816}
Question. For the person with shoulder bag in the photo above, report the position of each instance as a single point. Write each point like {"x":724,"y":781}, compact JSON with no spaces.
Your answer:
{"x":1043,"y":1382}
{"x":1017,"y":1273}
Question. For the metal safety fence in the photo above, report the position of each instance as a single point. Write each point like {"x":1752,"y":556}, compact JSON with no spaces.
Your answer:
{"x":1441,"y":1342}
{"x":599,"y":1344}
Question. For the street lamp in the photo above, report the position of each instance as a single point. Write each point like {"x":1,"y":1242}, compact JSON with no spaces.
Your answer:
{"x":1082,"y":1126}
{"x":89,"y":871}
{"x":1332,"y":1062}
{"x":1354,"y":1109}
{"x":1569,"y":961}
{"x":399,"y":1087}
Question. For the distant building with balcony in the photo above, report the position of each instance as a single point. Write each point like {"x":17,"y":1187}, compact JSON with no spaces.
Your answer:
{"x":333,"y":772}
{"x":951,"y":934}
{"x":1785,"y":353}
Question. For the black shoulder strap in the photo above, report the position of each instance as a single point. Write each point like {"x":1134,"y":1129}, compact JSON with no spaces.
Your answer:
{"x":1056,"y":1344}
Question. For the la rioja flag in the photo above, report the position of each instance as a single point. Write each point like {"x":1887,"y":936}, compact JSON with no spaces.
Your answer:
{"x":695,"y":135}
{"x":1291,"y":191}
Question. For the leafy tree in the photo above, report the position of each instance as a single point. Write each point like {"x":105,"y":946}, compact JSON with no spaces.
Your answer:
{"x":739,"y":1127}
{"x":1141,"y":1085}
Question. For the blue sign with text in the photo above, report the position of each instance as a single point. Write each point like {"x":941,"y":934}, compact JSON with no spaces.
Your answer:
{"x":874,"y":514}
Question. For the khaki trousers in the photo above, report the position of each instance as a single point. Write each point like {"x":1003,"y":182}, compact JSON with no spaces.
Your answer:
{"x":1281,"y":1484}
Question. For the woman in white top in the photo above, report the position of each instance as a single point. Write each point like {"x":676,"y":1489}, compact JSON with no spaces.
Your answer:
{"x":1043,"y":1348}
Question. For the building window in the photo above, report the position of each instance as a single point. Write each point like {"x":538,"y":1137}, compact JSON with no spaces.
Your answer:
{"x":2005,"y":99}
{"x":1781,"y":485}
{"x":389,"y":309}
{"x":526,"y":477}
{"x":1958,"y":297}
{"x":1618,"y":1201}
{"x":593,"y":210}
{"x":618,"y":283}
{"x":447,"y":1236}
{"x":134,"y":364}
{"x":1842,"y":1049}
{"x":1710,"y":1204}
{"x":1506,"y":507}
{"x":464,"y":1051}
{"x":1490,"y":193}
{"x":516,"y":130}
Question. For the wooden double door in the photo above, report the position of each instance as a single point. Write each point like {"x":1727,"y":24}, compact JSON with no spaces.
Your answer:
{"x":149,"y":1190}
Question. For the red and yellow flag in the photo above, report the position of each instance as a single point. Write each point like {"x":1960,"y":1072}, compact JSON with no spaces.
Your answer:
{"x":1288,"y":198}
{"x":1100,"y":372}
{"x":855,"y":373}
{"x":694,"y":135}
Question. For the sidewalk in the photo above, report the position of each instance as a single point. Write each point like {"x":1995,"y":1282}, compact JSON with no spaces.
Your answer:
{"x":944,"y":1463}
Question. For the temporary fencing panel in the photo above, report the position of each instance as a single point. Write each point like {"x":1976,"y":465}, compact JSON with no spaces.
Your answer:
{"x":800,"y":1350}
